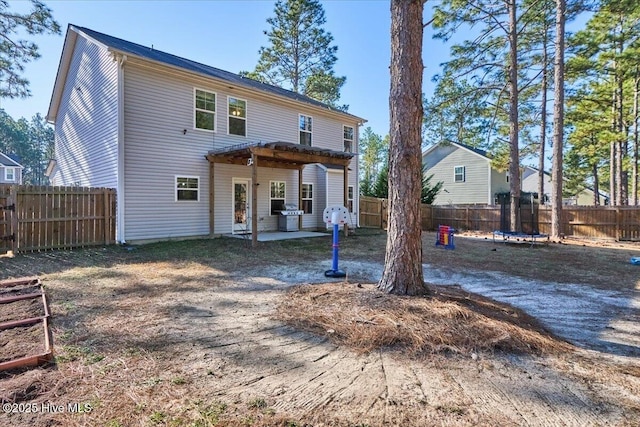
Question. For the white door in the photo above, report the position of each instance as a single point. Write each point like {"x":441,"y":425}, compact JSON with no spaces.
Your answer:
{"x":241,"y":205}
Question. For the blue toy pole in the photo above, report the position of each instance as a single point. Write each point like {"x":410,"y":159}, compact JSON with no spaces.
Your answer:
{"x":334,"y":272}
{"x":336,"y":246}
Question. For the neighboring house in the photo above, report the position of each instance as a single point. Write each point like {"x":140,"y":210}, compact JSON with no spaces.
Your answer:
{"x":468,"y":177}
{"x":10,"y":170}
{"x":529,"y":184}
{"x":466,"y":174}
{"x":186,"y":144}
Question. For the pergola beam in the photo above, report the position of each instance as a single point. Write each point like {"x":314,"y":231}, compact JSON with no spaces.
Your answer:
{"x":293,"y":156}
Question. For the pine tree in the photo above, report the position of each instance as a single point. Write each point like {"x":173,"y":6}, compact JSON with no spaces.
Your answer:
{"x":300,"y":55}
{"x":605,"y":54}
{"x":15,"y":52}
{"x":373,"y":155}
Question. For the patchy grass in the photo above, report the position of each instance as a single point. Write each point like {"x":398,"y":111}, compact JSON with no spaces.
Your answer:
{"x":452,"y":321}
{"x":148,"y":335}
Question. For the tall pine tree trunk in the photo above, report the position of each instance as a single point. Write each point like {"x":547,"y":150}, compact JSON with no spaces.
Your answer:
{"x":543,"y":122}
{"x":402,"y":272}
{"x":612,"y":156}
{"x":620,"y":182}
{"x":596,"y":185}
{"x":514,"y":152}
{"x":558,"y":123}
{"x":634,"y":177}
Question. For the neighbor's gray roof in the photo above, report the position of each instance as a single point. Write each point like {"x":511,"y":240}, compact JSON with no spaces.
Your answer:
{"x":8,"y":161}
{"x":145,"y":52}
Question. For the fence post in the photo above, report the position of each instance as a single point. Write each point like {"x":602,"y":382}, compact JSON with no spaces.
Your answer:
{"x":467,"y":219}
{"x":105,"y":210}
{"x":13,"y":200}
{"x":384,"y":214}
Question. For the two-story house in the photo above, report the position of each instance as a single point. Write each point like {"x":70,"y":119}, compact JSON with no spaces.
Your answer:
{"x":10,"y":170}
{"x":191,"y":149}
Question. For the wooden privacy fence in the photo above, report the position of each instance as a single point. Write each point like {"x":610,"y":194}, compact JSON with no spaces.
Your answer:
{"x":601,"y":222}
{"x":38,"y":217}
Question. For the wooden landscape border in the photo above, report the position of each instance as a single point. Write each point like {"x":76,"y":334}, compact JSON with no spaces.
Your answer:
{"x":47,"y":354}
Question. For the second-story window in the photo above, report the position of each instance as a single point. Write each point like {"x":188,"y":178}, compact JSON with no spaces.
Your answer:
{"x":348,"y":139}
{"x":237,"y":116}
{"x":305,"y":130}
{"x":204,"y":110}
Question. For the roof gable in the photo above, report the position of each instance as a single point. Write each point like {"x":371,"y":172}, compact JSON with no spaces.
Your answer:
{"x":8,"y":161}
{"x":115,"y":44}
{"x":480,"y":153}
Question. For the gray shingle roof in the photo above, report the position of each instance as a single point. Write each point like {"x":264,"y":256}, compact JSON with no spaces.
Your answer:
{"x":8,"y":161}
{"x":196,"y":67}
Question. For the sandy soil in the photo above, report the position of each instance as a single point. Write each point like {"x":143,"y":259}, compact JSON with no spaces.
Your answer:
{"x":155,"y":343}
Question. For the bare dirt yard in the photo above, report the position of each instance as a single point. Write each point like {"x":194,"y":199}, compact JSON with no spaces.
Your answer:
{"x":215,"y":333}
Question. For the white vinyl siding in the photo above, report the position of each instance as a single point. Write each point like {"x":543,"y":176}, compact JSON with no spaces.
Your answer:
{"x":157,"y":109}
{"x":86,"y":125}
{"x":335,"y":190}
{"x":321,"y":194}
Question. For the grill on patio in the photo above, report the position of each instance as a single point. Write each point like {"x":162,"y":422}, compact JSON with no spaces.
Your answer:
{"x":288,"y":218}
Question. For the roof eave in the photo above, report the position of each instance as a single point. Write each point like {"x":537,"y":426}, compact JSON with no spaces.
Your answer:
{"x":61,"y":76}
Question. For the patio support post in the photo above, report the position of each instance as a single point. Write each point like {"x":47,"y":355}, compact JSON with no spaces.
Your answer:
{"x":212,"y":194}
{"x":300,"y":196}
{"x":346,"y":196}
{"x":254,"y":200}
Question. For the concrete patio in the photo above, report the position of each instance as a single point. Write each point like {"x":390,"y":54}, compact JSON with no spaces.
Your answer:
{"x":269,"y":236}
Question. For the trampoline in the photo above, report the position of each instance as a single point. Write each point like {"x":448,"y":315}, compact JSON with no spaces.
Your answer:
{"x":528,"y":207}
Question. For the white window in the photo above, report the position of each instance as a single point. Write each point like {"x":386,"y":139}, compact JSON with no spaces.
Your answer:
{"x":10,"y":174}
{"x":348,"y":138}
{"x":204,"y":110}
{"x":187,"y":188}
{"x":350,"y":198}
{"x":237,"y":116}
{"x":307,"y":198}
{"x":277,"y":196}
{"x":305,"y":130}
{"x":459,"y":174}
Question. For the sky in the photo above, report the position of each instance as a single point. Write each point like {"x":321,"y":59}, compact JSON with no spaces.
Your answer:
{"x":227,"y":34}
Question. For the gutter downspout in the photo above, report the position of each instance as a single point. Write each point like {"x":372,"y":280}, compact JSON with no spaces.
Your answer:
{"x":120,"y":223}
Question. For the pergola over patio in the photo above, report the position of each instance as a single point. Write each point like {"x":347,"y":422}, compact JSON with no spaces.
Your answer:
{"x":281,"y":155}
